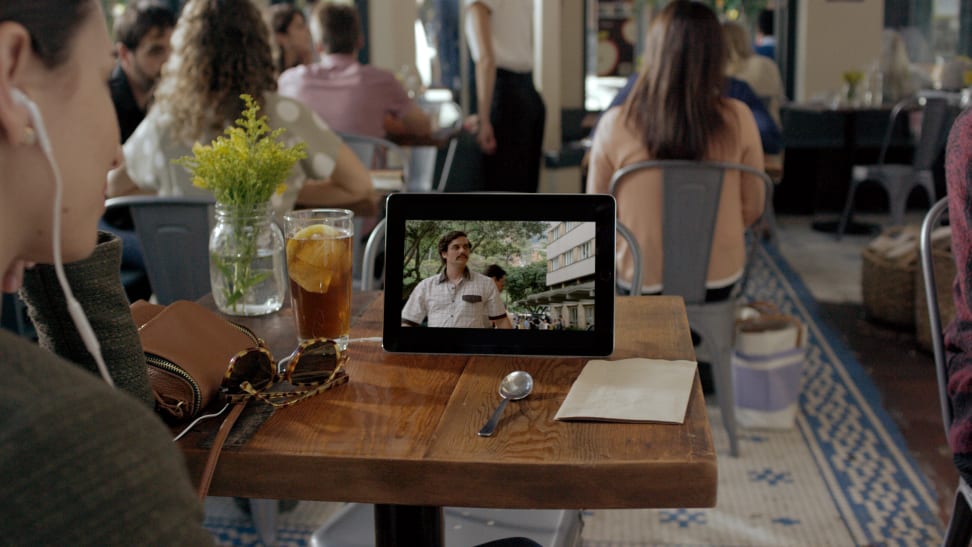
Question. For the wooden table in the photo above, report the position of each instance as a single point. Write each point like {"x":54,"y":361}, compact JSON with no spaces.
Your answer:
{"x":402,"y":434}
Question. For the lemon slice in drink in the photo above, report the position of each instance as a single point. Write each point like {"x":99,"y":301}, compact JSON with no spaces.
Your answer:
{"x":312,"y":253}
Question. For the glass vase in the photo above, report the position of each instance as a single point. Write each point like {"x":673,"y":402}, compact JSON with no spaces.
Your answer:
{"x":247,"y":261}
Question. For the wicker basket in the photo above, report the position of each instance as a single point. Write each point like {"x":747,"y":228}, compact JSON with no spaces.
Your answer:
{"x":888,"y":277}
{"x":944,"y":266}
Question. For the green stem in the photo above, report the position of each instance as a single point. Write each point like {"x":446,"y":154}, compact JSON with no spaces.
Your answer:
{"x":236,"y":267}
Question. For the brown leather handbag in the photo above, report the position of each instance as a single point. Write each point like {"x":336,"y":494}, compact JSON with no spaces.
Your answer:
{"x":187,"y":349}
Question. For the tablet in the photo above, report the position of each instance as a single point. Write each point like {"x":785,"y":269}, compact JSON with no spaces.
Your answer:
{"x":557,"y":253}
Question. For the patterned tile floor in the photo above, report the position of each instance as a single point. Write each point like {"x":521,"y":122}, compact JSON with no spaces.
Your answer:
{"x":902,"y":373}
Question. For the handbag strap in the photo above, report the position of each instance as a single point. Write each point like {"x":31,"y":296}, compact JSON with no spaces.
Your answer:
{"x":224,"y":430}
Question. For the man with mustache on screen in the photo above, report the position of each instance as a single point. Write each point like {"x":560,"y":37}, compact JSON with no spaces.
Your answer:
{"x":457,"y":297}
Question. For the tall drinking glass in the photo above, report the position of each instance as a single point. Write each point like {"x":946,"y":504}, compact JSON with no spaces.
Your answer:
{"x":319,"y":261}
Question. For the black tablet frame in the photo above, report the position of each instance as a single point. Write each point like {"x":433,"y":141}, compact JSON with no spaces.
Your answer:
{"x":597,"y":208}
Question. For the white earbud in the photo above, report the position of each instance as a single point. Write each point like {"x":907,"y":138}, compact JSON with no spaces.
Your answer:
{"x":35,"y":118}
{"x":74,"y":307}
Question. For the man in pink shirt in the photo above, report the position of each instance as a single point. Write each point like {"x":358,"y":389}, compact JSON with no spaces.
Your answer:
{"x":351,"y":97}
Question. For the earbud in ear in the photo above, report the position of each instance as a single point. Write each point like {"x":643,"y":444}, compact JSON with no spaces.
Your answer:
{"x":35,"y":119}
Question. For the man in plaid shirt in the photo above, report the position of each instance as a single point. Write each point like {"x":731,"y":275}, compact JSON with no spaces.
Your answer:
{"x":458,"y":297}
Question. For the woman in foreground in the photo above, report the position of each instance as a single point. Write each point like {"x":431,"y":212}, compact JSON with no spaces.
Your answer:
{"x":677,"y":111}
{"x":81,"y":463}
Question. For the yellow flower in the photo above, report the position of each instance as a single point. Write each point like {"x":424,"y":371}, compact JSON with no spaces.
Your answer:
{"x":853,"y":77}
{"x":246,"y":165}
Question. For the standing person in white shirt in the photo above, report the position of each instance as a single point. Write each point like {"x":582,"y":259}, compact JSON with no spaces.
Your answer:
{"x":511,"y":113}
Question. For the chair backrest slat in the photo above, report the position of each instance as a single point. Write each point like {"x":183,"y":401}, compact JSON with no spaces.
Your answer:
{"x":174,"y":234}
{"x":378,"y":153}
{"x":629,"y":238}
{"x":932,"y":220}
{"x":375,"y":243}
{"x":691,"y":193}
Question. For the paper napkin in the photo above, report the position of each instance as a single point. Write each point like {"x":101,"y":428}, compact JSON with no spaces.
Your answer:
{"x":630,"y":390}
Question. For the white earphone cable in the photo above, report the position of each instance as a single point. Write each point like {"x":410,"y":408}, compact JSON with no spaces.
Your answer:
{"x":74,"y":307}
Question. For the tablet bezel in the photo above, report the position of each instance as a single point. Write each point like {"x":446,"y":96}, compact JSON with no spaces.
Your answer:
{"x":597,"y":208}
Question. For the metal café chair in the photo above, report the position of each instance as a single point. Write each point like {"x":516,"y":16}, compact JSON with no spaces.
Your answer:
{"x":959,"y":530}
{"x":898,"y":179}
{"x":378,"y":153}
{"x":174,"y":233}
{"x":371,"y":277}
{"x":691,"y":190}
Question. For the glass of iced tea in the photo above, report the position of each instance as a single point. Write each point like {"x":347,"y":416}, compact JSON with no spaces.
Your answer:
{"x":319,"y":266}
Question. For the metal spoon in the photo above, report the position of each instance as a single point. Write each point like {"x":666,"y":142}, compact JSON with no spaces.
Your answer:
{"x":517,"y":385}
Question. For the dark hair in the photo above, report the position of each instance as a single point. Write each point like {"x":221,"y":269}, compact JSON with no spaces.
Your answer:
{"x":50,"y":23}
{"x":445,"y":240}
{"x":139,"y":18}
{"x":340,"y":28}
{"x":676,"y":103}
{"x":280,"y":17}
{"x":495,"y":271}
{"x":764,"y":22}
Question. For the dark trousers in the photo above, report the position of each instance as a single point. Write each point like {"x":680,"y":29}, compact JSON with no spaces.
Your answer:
{"x":517,"y":115}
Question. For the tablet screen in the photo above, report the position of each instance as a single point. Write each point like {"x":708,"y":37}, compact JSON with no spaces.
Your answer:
{"x":500,"y":274}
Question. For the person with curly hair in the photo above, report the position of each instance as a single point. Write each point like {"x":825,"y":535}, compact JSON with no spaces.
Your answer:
{"x":220,"y":51}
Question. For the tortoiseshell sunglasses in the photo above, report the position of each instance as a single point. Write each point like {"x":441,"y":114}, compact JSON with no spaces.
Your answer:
{"x":316,"y":363}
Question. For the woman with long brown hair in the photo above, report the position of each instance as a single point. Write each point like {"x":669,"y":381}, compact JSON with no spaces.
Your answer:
{"x":221,"y":50}
{"x":677,"y":111}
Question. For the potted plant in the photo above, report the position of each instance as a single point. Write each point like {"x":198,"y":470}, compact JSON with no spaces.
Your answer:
{"x":243,"y":168}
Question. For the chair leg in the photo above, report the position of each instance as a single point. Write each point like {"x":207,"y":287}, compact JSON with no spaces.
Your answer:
{"x":845,"y":216}
{"x":769,"y":220}
{"x":897,"y":203}
{"x":959,"y":531}
{"x":715,"y":326}
{"x":929,"y":185}
{"x":264,"y":515}
{"x":900,"y":190}
{"x":722,"y":370}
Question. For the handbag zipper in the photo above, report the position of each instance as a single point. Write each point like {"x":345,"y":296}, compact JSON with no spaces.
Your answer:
{"x":172,"y":368}
{"x":249,"y":333}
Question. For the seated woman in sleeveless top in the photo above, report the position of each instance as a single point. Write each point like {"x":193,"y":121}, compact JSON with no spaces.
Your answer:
{"x":677,"y":111}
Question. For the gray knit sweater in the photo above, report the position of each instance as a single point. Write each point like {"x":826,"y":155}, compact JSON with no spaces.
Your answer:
{"x":82,"y":463}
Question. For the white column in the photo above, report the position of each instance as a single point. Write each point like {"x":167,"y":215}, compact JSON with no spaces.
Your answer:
{"x":392,"y":34}
{"x":832,"y":38}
